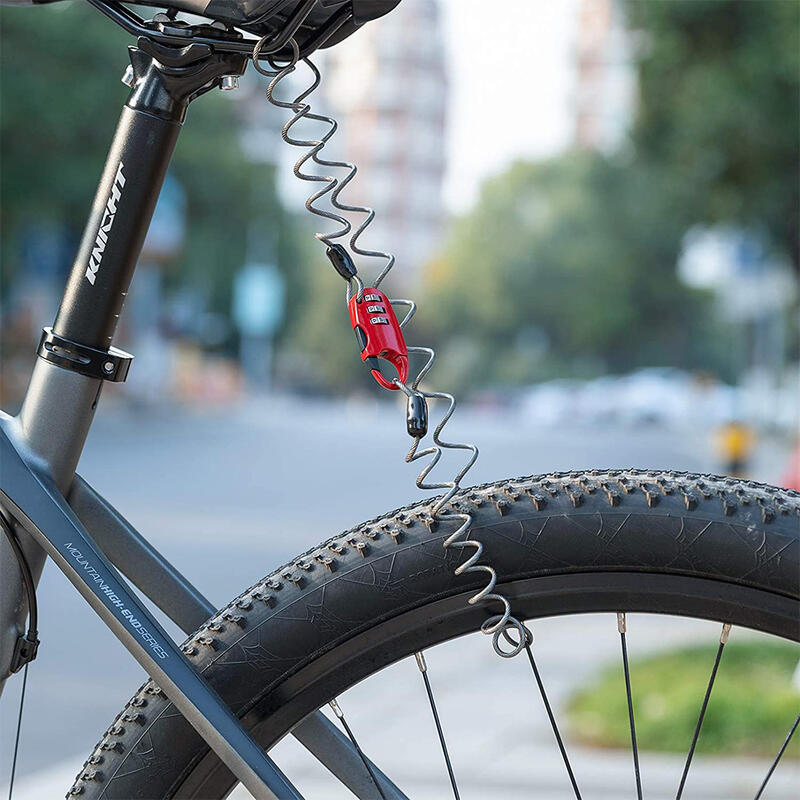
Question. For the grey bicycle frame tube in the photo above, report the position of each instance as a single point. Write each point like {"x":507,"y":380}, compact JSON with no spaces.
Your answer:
{"x":162,"y":583}
{"x":137,"y":559}
{"x":38,"y":505}
{"x":130,"y":552}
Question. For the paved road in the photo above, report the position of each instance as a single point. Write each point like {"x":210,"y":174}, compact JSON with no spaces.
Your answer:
{"x":229,"y":494}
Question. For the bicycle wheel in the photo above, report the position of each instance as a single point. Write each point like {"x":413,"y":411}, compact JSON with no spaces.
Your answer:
{"x":636,"y":541}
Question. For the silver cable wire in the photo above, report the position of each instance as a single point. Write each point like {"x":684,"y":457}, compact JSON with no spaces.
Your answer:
{"x":497,"y":624}
{"x":301,"y":111}
{"x":443,"y":510}
{"x":352,"y":170}
{"x":333,"y":185}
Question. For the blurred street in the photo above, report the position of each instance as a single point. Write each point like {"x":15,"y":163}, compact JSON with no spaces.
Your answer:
{"x":228,"y":495}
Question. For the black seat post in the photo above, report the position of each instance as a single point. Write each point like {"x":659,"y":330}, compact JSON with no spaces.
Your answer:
{"x":74,"y":357}
{"x":163,"y":79}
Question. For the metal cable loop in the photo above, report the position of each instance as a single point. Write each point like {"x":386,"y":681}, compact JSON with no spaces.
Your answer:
{"x":276,"y":69}
{"x":500,"y":624}
{"x":524,"y":638}
{"x":359,"y":288}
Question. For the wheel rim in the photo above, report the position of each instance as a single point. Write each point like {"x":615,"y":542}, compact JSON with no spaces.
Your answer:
{"x":449,"y":617}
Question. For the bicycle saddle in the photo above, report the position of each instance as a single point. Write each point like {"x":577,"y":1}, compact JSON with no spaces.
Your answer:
{"x":268,"y":16}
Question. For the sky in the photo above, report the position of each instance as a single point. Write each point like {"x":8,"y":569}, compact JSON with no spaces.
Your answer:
{"x":511,"y":97}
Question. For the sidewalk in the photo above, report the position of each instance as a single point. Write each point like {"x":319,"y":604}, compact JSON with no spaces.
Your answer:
{"x":608,"y":776}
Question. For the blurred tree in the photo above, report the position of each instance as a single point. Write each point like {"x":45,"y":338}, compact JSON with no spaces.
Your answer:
{"x":322,"y":353}
{"x":568,"y":266}
{"x":719,"y":111}
{"x":56,"y":123}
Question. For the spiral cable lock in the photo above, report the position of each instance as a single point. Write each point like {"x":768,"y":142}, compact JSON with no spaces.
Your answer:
{"x":381,"y":336}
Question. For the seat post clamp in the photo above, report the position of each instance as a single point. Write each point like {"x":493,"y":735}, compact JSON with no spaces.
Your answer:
{"x":108,"y":365}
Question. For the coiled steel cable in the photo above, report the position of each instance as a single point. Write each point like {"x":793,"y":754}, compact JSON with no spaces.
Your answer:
{"x":498,"y":625}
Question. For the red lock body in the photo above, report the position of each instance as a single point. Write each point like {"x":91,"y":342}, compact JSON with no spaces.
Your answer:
{"x":379,"y":334}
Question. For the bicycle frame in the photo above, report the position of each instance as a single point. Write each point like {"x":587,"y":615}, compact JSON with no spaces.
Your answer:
{"x":54,"y":512}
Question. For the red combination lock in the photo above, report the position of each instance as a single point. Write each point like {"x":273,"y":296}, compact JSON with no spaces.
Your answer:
{"x":379,"y":334}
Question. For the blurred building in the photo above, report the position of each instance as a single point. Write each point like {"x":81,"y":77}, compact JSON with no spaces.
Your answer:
{"x":605,"y":95}
{"x":387,"y":89}
{"x":387,"y":86}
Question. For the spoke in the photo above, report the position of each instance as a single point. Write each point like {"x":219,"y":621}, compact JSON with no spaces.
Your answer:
{"x":19,"y":727}
{"x":778,"y":757}
{"x":423,"y":668}
{"x":330,"y":746}
{"x":726,"y":629}
{"x":340,"y":714}
{"x":622,"y":627}
{"x":551,"y":716}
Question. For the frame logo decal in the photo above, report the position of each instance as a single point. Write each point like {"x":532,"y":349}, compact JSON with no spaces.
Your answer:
{"x":105,"y":225}
{"x":114,"y":599}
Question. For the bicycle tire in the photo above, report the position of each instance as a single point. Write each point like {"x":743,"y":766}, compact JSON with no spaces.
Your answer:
{"x":695,"y":545}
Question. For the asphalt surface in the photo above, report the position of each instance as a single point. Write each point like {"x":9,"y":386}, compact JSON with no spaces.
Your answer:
{"x":229,"y":494}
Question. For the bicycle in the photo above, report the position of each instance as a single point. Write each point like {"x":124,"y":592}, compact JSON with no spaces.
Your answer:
{"x":617,"y":541}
